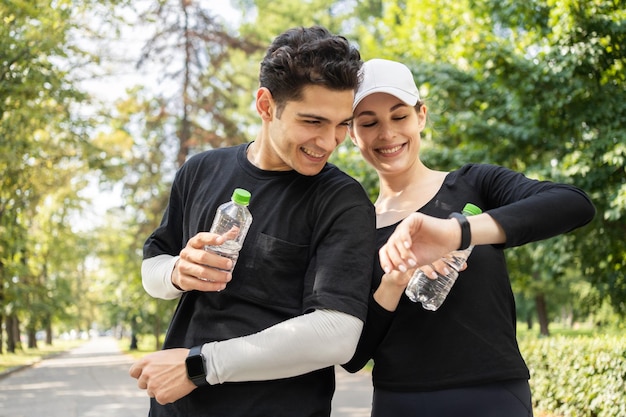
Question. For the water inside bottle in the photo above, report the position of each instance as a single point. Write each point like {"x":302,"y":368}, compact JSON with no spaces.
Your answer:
{"x":227,"y":227}
{"x":432,"y":292}
{"x":229,"y":249}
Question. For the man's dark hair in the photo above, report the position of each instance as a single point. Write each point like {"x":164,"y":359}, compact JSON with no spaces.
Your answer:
{"x":308,"y":56}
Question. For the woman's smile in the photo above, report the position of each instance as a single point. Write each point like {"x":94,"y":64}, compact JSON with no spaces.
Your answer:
{"x":391,"y":150}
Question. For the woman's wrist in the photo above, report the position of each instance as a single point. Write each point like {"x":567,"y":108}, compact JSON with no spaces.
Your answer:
{"x":390,"y":290}
{"x":466,"y":231}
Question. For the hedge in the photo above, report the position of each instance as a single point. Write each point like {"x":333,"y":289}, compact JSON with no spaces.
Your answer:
{"x":577,"y":376}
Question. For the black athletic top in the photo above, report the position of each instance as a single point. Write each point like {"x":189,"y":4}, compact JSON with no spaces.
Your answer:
{"x":310,"y":246}
{"x":470,"y":339}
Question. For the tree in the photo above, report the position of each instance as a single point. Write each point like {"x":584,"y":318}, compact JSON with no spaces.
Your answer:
{"x":36,"y":131}
{"x":137,"y":140}
{"x":537,"y":87}
{"x":194,"y":48}
{"x":44,"y":154}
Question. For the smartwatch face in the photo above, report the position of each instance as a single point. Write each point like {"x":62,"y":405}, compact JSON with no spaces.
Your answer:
{"x":195,"y":367}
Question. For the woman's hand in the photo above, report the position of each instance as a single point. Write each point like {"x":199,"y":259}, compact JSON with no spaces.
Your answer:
{"x":419,"y":240}
{"x":391,"y":288}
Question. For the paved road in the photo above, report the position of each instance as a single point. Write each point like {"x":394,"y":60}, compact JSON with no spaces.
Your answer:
{"x":90,"y":381}
{"x":93,"y":381}
{"x":353,"y":394}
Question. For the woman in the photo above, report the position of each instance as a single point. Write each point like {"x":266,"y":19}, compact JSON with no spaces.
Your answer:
{"x":463,"y":359}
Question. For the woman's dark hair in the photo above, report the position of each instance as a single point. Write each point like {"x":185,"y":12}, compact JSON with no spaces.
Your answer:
{"x":304,"y":56}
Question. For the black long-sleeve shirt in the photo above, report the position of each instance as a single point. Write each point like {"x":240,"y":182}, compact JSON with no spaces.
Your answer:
{"x":470,"y":339}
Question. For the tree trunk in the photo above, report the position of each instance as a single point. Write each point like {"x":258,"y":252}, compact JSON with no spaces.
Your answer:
{"x":13,"y":333}
{"x":542,"y":314}
{"x":1,"y":333}
{"x":17,"y":333}
{"x":48,"y":331}
{"x":133,"y":334}
{"x":31,"y":335}
{"x":184,"y":133}
{"x":10,"y":337}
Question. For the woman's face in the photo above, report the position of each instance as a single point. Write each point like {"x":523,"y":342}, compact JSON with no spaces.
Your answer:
{"x":387,"y":132}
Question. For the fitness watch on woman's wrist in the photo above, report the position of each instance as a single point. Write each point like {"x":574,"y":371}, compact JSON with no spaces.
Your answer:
{"x":196,"y":366}
{"x":466,"y":232}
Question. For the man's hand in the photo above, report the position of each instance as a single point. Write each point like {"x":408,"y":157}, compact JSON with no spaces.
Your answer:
{"x":200,"y":270}
{"x":163,"y":375}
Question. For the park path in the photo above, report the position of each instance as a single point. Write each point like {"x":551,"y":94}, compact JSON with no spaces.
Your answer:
{"x":89,"y":381}
{"x":92,"y":381}
{"x":353,"y":394}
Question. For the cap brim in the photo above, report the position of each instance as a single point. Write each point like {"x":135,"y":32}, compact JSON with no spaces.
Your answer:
{"x":406,"y":98}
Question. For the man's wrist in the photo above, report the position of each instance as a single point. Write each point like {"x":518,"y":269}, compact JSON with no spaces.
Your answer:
{"x":196,"y":366}
{"x":174,"y":275}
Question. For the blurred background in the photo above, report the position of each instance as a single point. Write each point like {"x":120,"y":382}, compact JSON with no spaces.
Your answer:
{"x":102,"y":100}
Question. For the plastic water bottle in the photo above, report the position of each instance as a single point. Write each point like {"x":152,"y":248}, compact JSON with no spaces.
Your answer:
{"x":232,"y":220}
{"x":432,"y":292}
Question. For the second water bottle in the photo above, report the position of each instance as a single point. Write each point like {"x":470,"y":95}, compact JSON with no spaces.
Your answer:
{"x":432,"y":292}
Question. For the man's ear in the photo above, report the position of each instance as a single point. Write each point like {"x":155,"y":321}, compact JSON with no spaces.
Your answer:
{"x":265,"y":104}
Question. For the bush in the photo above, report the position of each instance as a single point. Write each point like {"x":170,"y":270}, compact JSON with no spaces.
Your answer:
{"x":577,"y":376}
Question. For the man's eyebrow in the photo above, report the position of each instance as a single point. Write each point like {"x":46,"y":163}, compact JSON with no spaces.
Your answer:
{"x":321,"y":118}
{"x":313,"y":116}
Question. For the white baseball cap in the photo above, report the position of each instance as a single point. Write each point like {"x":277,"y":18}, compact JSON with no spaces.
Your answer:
{"x":384,"y":76}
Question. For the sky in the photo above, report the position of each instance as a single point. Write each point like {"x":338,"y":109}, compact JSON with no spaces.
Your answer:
{"x":110,"y":88}
{"x":132,"y":40}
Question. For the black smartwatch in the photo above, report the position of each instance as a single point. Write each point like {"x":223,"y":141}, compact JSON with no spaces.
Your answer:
{"x":196,"y":367}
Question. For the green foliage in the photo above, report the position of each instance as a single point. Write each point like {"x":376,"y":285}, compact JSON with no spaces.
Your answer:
{"x":200,"y":58}
{"x":138,"y":142}
{"x":271,"y":17}
{"x":348,"y":158}
{"x":537,"y":87}
{"x":44,"y":156}
{"x":577,"y":376}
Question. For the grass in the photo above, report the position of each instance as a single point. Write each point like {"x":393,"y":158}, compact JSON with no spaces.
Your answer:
{"x":558,"y":329}
{"x":27,"y":356}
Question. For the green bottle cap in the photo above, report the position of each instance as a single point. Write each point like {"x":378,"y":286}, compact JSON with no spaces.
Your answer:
{"x":241,"y":196}
{"x":471,"y":209}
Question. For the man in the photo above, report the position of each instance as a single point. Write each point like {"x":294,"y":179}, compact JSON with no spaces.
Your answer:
{"x":264,"y":339}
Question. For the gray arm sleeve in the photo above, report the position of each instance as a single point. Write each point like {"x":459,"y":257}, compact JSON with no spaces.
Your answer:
{"x":294,"y":347}
{"x":156,"y":277}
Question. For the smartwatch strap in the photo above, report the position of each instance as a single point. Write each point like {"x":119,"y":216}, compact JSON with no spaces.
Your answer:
{"x":466,"y":233}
